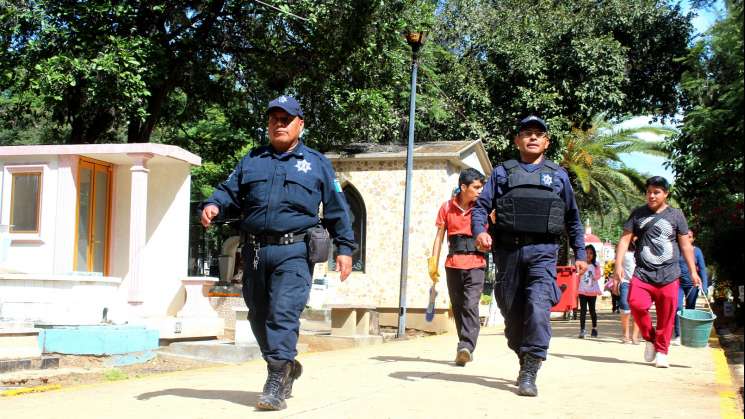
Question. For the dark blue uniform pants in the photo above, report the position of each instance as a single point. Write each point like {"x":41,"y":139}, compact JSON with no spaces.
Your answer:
{"x":526,"y":290}
{"x":276,"y":293}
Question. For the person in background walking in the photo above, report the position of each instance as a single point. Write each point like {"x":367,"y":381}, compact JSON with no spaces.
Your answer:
{"x":589,"y":289}
{"x":687,"y":294}
{"x":615,"y":302}
{"x":464,"y":266}
{"x":623,"y":292}
{"x":662,"y":233}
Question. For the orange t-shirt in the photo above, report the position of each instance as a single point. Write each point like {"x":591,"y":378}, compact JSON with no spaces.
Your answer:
{"x":457,"y":221}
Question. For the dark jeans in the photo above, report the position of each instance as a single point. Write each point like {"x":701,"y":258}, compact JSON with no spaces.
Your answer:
{"x":687,"y":294}
{"x":464,"y":288}
{"x":584,"y":302}
{"x":276,"y":293}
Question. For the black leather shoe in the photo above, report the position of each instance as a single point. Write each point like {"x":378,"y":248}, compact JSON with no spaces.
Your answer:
{"x":273,"y":396}
{"x":529,"y":373}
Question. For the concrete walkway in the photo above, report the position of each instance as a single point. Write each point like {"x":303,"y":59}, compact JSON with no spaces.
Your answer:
{"x":417,"y":379}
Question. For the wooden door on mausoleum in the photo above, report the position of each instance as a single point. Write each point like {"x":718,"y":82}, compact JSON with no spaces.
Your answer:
{"x":93,"y":217}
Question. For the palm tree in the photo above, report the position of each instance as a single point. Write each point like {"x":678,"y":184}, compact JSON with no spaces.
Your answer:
{"x":599,"y":177}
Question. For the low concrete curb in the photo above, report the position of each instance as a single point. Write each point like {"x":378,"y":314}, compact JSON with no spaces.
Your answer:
{"x":219,"y":351}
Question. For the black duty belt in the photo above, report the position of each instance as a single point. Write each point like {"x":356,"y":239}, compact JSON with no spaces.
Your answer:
{"x":523,"y":239}
{"x":274,"y":239}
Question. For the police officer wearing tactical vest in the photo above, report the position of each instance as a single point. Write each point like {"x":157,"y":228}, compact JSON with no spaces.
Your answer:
{"x":533,"y":203}
{"x":277,"y":189}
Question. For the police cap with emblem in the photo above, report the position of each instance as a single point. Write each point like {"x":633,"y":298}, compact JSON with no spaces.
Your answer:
{"x":287,"y":104}
{"x":532,"y":120}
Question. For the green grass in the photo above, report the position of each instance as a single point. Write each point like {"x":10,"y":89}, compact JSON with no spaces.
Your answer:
{"x":115,"y":375}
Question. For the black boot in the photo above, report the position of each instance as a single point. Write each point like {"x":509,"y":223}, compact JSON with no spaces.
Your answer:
{"x":528,"y":374}
{"x":278,"y":375}
{"x":297,"y":371}
{"x":520,"y":374}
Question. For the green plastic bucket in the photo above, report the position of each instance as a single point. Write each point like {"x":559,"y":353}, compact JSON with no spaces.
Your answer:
{"x":695,"y":327}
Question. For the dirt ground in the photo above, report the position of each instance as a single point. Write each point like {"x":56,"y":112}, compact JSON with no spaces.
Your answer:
{"x":77,"y":370}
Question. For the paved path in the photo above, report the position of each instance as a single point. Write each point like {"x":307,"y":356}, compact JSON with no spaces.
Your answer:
{"x":416,"y":379}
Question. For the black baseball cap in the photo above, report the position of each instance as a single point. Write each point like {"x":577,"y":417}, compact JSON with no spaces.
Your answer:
{"x":532,"y":120}
{"x":288,"y":104}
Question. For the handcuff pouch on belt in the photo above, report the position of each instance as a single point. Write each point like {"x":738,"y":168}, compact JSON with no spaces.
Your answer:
{"x":318,"y":240}
{"x":459,"y":244}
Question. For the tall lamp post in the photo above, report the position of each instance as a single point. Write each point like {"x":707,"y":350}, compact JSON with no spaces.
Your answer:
{"x":415,"y":41}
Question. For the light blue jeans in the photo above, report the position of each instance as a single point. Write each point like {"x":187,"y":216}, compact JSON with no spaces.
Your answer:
{"x":623,"y":302}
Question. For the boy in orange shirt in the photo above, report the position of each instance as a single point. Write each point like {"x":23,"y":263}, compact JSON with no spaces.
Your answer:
{"x":464,"y":265}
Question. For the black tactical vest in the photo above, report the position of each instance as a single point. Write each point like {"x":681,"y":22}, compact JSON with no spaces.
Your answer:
{"x":530,"y":205}
{"x":461,"y":244}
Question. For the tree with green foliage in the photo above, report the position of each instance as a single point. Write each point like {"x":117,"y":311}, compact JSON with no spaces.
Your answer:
{"x":105,"y":69}
{"x":569,"y":60}
{"x":198,"y":74}
{"x":115,"y":71}
{"x":707,"y":156}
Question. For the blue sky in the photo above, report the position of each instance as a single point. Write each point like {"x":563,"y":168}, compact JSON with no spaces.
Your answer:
{"x":704,"y":18}
{"x":651,"y":165}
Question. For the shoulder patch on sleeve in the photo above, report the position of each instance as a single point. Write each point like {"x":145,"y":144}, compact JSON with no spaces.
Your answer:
{"x":235,"y":171}
{"x":337,"y":185}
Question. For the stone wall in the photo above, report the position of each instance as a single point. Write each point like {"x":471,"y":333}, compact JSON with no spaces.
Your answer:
{"x":225,"y":308}
{"x":381,"y":185}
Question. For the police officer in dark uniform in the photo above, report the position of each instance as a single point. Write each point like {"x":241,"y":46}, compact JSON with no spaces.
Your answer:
{"x":277,"y":189}
{"x":533,"y":203}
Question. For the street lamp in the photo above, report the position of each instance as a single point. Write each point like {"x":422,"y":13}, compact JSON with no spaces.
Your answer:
{"x":415,"y":41}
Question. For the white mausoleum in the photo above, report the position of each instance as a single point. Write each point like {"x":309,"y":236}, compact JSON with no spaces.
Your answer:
{"x":98,"y":230}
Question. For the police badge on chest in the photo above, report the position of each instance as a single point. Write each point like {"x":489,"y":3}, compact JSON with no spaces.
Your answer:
{"x":547,"y":180}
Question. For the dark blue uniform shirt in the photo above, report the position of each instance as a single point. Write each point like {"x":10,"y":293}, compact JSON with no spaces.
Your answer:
{"x":279,"y":193}
{"x":496,"y":187}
